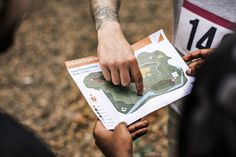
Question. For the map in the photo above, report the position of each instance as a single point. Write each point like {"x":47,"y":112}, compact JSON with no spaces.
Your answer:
{"x":165,"y":81}
{"x":159,"y":76}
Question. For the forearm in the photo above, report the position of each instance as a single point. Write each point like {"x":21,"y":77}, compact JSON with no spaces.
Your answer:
{"x":104,"y":11}
{"x":116,"y":56}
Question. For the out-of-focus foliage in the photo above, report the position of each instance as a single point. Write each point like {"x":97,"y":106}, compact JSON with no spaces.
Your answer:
{"x":36,"y":88}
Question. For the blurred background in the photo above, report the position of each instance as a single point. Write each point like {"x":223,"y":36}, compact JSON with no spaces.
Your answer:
{"x":36,"y":88}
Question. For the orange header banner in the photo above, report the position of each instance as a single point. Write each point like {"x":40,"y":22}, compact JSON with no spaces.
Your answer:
{"x":140,"y":44}
{"x":81,"y":62}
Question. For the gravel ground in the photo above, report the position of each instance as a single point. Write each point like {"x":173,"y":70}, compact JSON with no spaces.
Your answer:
{"x":38,"y":91}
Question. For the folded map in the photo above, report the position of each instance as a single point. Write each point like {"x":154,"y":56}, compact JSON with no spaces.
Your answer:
{"x":163,"y":72}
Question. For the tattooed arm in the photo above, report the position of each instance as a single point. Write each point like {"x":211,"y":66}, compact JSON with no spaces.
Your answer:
{"x":116,"y":56}
{"x":104,"y":10}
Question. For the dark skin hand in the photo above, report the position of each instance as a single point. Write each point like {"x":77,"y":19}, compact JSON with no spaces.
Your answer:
{"x":118,"y":143}
{"x":196,"y":58}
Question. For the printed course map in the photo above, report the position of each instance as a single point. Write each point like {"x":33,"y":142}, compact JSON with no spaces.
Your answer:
{"x":159,"y":78}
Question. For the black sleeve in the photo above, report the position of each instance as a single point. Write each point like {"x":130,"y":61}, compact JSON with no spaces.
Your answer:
{"x":17,"y":141}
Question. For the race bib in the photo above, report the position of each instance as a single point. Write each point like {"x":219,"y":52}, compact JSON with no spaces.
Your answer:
{"x":200,"y":29}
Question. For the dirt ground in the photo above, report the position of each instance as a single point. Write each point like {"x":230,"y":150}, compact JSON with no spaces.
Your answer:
{"x":36,"y":88}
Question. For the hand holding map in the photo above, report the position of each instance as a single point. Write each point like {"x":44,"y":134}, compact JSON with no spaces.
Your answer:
{"x":163,"y":72}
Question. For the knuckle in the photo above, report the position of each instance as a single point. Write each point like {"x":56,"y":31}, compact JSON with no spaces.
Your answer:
{"x":103,"y":64}
{"x":122,"y":63}
{"x":111,"y":64}
{"x":132,"y":59}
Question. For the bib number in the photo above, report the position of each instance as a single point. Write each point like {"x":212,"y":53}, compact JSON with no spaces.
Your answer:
{"x":197,"y":32}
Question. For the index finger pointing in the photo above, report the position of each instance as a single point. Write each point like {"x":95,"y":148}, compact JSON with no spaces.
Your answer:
{"x":137,"y":76}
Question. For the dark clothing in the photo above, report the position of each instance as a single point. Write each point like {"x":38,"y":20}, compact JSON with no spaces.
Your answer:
{"x":208,"y":124}
{"x":17,"y":141}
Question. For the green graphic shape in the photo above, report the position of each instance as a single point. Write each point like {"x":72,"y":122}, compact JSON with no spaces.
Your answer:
{"x":159,"y":78}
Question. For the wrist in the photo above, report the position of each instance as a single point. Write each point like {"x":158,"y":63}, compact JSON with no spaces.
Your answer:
{"x":128,"y":152}
{"x":109,"y":28}
{"x":124,"y":154}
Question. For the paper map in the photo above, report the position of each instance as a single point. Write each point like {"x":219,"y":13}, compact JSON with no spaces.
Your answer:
{"x":163,"y":72}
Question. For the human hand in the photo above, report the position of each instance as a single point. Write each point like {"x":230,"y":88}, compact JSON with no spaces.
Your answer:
{"x":118,"y":143}
{"x":196,"y":58}
{"x":116,"y":57}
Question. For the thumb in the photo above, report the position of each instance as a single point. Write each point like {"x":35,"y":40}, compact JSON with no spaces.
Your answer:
{"x":122,"y":135}
{"x":121,"y":128}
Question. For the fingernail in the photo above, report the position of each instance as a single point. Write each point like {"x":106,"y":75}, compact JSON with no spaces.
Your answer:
{"x":115,"y":83}
{"x":125,"y":123}
{"x":140,"y":93}
{"x":189,"y":71}
{"x":108,"y":80}
{"x":125,"y":84}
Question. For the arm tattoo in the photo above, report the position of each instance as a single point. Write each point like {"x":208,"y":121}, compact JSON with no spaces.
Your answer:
{"x":104,"y":10}
{"x":103,"y":14}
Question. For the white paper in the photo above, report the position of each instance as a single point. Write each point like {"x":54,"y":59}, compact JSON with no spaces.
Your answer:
{"x":203,"y":26}
{"x":165,"y":81}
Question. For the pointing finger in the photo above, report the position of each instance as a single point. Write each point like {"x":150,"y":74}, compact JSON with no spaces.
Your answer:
{"x":137,"y":76}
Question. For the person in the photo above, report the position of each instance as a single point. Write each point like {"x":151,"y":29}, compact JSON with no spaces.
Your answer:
{"x":208,"y":125}
{"x":208,"y":120}
{"x":199,"y":26}
{"x":10,"y":20}
{"x":16,"y":139}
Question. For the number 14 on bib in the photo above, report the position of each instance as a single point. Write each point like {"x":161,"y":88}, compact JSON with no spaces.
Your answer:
{"x":200,"y":29}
